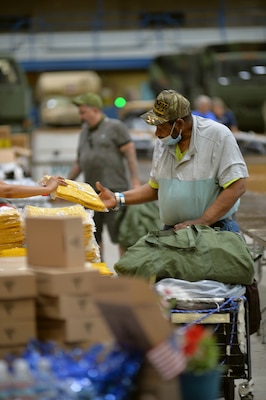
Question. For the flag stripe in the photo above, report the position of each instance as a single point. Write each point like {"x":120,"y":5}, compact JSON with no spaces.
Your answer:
{"x":167,"y":359}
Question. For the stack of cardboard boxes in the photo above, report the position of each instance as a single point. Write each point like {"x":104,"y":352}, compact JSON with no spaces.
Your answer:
{"x":17,"y":305}
{"x":47,"y":294}
{"x":75,"y":305}
{"x":65,"y":309}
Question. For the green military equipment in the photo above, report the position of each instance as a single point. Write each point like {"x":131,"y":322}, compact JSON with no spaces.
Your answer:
{"x":235,"y":72}
{"x":15,"y":96}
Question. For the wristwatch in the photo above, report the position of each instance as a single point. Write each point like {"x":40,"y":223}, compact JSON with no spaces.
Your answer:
{"x":120,"y":201}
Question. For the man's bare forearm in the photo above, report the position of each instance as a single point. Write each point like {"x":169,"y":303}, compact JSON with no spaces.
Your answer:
{"x":141,"y":194}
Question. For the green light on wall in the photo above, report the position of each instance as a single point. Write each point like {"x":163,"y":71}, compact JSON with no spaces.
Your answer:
{"x":120,"y":102}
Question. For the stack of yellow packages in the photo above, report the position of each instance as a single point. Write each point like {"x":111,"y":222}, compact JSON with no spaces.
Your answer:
{"x":92,"y":252}
{"x":11,"y":228}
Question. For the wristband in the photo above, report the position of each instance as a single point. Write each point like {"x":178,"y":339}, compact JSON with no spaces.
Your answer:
{"x":120,"y":200}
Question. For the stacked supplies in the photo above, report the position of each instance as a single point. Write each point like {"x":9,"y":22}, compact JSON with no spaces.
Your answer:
{"x":17,"y":305}
{"x":11,"y":228}
{"x":92,"y":252}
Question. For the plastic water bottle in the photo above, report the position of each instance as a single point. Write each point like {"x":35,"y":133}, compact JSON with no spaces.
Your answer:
{"x":5,"y":381}
{"x":46,"y":387}
{"x":23,"y":385}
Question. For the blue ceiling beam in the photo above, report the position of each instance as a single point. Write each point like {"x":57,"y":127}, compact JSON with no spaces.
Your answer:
{"x":102,"y":64}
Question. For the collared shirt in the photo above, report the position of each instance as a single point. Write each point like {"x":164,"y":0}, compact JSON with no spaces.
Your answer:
{"x":186,"y":188}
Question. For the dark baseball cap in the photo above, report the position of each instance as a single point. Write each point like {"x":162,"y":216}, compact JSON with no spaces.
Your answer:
{"x":88,"y":99}
{"x":168,"y":106}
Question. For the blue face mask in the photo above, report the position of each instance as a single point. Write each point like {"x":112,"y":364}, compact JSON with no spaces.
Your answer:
{"x":169,"y":140}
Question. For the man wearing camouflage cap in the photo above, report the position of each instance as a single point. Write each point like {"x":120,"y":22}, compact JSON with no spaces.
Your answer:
{"x":198,"y":172}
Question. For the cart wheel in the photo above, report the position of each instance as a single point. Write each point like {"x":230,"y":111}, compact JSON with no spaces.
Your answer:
{"x":229,"y":388}
{"x":245,"y":390}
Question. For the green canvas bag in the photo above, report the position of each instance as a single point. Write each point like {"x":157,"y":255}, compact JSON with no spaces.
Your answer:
{"x":194,"y":253}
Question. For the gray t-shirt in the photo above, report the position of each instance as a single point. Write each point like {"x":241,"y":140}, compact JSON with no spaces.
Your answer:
{"x":99,"y":154}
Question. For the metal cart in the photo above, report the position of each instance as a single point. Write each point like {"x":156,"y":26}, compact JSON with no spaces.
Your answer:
{"x":228,"y":318}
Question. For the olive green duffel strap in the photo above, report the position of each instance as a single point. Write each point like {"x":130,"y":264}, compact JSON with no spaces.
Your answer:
{"x":192,"y":233}
{"x":191,"y":236}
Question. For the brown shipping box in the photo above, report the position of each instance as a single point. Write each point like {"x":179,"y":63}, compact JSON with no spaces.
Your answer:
{"x":150,"y":385}
{"x":20,"y":140}
{"x":5,"y":131}
{"x":55,"y":242}
{"x":63,"y":307}
{"x":17,"y":284}
{"x":16,"y":263}
{"x":15,"y":351}
{"x":89,"y":329}
{"x":15,"y":332}
{"x":7,"y":155}
{"x":131,"y":309}
{"x":22,"y":309}
{"x":57,"y":282}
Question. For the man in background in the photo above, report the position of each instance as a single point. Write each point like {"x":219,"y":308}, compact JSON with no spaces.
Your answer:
{"x":105,"y":153}
{"x":203,"y":107}
{"x":223,"y":114}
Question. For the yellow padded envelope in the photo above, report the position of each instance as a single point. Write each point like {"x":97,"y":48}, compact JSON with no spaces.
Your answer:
{"x":80,"y":193}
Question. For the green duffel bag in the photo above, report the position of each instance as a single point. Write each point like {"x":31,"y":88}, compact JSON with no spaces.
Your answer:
{"x":194,"y":253}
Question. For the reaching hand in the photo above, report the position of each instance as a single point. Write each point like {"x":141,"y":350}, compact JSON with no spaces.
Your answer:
{"x":106,"y":195}
{"x":53,"y":182}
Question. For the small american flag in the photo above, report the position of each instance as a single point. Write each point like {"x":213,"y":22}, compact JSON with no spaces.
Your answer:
{"x":168,"y":358}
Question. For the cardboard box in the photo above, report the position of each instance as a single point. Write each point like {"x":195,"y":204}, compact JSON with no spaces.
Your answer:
{"x":20,"y":140}
{"x":16,"y":332}
{"x":5,"y":131}
{"x":17,"y":309}
{"x":74,"y":330}
{"x":9,"y":263}
{"x":151,"y":386}
{"x":7,"y":155}
{"x":131,"y":309}
{"x":58,"y":282}
{"x":55,"y":242}
{"x":64,"y":307}
{"x":126,"y":290}
{"x":17,"y":284}
{"x":21,"y":151}
{"x":15,"y":351}
{"x":12,"y":154}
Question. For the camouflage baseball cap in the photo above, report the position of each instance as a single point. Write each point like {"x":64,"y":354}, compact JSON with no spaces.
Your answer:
{"x":88,"y":99}
{"x":168,"y":106}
